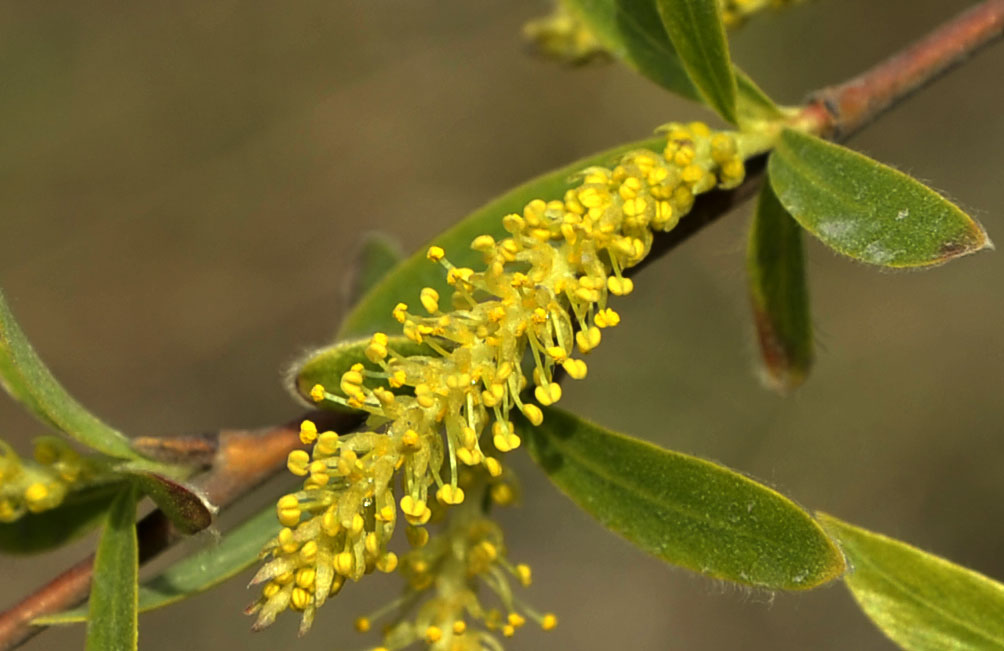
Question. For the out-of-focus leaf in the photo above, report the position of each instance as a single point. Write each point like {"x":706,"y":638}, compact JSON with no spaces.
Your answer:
{"x":112,"y":617}
{"x":779,"y":293}
{"x":921,"y":601}
{"x":28,"y":380}
{"x":197,"y":573}
{"x":698,"y":36}
{"x":406,"y":280}
{"x":326,"y":366}
{"x":632,"y":31}
{"x":377,"y":255}
{"x":79,"y":513}
{"x":183,"y":505}
{"x":685,"y":510}
{"x":867,"y":210}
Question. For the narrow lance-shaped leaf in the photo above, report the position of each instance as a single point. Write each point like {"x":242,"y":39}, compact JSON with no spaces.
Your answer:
{"x":695,"y":28}
{"x":632,"y":31}
{"x":685,"y":510}
{"x":27,"y":379}
{"x":866,"y":210}
{"x":79,"y":513}
{"x":204,"y":569}
{"x":779,"y":293}
{"x":112,"y":619}
{"x":921,"y":601}
{"x":406,"y":280}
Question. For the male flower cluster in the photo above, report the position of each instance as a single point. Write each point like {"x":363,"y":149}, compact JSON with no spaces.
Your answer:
{"x":495,"y":346}
{"x":33,"y":486}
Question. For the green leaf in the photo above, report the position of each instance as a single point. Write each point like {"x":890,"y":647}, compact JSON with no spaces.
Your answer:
{"x":685,"y":510}
{"x":867,"y":210}
{"x":28,"y":380}
{"x":921,"y":601}
{"x":406,"y":280}
{"x":184,"y":506}
{"x":112,"y":619}
{"x":632,"y":31}
{"x":209,"y":567}
{"x":326,"y":365}
{"x":779,"y":293}
{"x":695,"y":28}
{"x":79,"y":513}
{"x":377,"y":255}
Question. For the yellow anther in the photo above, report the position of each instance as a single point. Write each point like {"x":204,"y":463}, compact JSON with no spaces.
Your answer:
{"x":508,"y":630}
{"x":308,"y":552}
{"x":386,"y":513}
{"x":449,"y":494}
{"x":459,"y":627}
{"x":607,"y":318}
{"x":576,"y":368}
{"x":588,"y":339}
{"x":327,"y":444}
{"x":35,"y":494}
{"x":459,"y":273}
{"x":308,"y":432}
{"x":387,"y":563}
{"x":548,"y":621}
{"x":271,"y":589}
{"x":524,"y":574}
{"x":469,"y":457}
{"x":483,"y":243}
{"x":539,"y":316}
{"x":435,"y":253}
{"x":400,"y":312}
{"x":548,"y":394}
{"x":410,"y":441}
{"x":692,"y":174}
{"x":288,"y":510}
{"x":285,"y":578}
{"x":635,"y":207}
{"x":620,"y":286}
{"x":516,"y":620}
{"x":330,"y":523}
{"x":493,"y":466}
{"x":513,"y":223}
{"x":397,"y":379}
{"x":433,"y":634}
{"x":385,"y":397}
{"x":533,"y":414}
{"x":415,"y":510}
{"x":317,"y":393}
{"x":363,"y":624}
{"x":430,"y":300}
{"x":297,"y":462}
{"x":557,"y":353}
{"x":344,"y":563}
{"x":305,"y":577}
{"x":299,"y":598}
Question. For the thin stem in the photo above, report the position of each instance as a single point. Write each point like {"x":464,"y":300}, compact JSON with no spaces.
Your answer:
{"x":242,"y":459}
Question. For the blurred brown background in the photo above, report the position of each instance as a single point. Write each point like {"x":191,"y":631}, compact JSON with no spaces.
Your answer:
{"x":182,"y":186}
